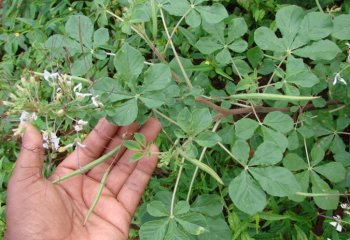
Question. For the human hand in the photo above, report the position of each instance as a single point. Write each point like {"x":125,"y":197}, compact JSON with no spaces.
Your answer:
{"x":38,"y":209}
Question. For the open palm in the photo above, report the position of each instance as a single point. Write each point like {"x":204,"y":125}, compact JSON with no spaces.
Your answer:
{"x":38,"y":209}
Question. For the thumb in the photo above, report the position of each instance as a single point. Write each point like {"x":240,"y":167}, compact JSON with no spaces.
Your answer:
{"x":30,"y":160}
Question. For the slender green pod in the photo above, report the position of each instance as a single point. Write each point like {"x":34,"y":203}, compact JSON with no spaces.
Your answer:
{"x":89,"y":166}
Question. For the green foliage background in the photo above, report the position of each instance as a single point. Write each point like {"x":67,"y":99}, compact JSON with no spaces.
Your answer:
{"x":253,"y":97}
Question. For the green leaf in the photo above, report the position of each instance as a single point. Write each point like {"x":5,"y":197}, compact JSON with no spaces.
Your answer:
{"x":140,"y":138}
{"x":316,"y":25}
{"x":193,"y":19}
{"x":157,"y":77}
{"x":328,"y":202}
{"x":82,"y":65}
{"x":217,"y":31}
{"x":238,"y":46}
{"x":236,"y":29}
{"x":317,"y":154}
{"x":132,"y":145}
{"x":208,"y":45}
{"x":333,"y":171}
{"x":176,"y":8}
{"x":181,"y":207}
{"x":101,"y":37}
{"x":110,"y":89}
{"x":303,"y":179}
{"x":293,"y":162}
{"x":320,"y":50}
{"x":288,"y":20}
{"x":241,"y":150}
{"x":266,"y":39}
{"x":154,"y":230}
{"x":299,"y":74}
{"x":208,"y":204}
{"x":223,"y":57}
{"x":137,"y":156}
{"x":214,"y":13}
{"x":293,"y":140}
{"x":157,"y":209}
{"x":245,"y":128}
{"x":128,"y":62}
{"x":279,"y":121}
{"x":266,"y":154}
{"x":184,"y":118}
{"x":341,"y":29}
{"x":153,"y":99}
{"x":208,"y":139}
{"x":276,"y":181}
{"x":217,"y":229}
{"x":193,"y":223}
{"x":275,"y":137}
{"x":201,"y":120}
{"x":81,"y":29}
{"x":124,"y":114}
{"x":246,"y":194}
{"x":59,"y":44}
{"x":174,"y":232}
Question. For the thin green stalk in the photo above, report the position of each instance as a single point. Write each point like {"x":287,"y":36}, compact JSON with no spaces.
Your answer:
{"x":172,"y":205}
{"x":166,"y":117}
{"x":202,"y":166}
{"x":189,"y":84}
{"x":175,"y":28}
{"x":319,"y":6}
{"x":73,"y":78}
{"x":89,"y":166}
{"x":197,"y":168}
{"x":268,"y":96}
{"x":231,"y":155}
{"x":274,"y":72}
{"x":98,"y":195}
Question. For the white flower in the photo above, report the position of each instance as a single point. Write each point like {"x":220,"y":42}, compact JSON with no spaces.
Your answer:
{"x":336,"y":224}
{"x":25,"y":116}
{"x":77,"y":88}
{"x":80,"y":124}
{"x":77,"y":92}
{"x":338,"y":78}
{"x":82,"y":95}
{"x":95,"y":102}
{"x":50,"y":76}
{"x":50,"y":140}
{"x":344,"y":206}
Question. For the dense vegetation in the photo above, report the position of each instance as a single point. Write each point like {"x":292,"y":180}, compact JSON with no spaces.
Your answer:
{"x":253,"y":97}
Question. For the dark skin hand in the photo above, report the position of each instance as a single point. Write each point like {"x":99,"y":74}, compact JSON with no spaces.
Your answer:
{"x":38,"y":209}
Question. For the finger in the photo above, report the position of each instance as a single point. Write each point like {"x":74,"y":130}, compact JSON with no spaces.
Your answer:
{"x":123,"y":168}
{"x":95,"y":144}
{"x":130,"y":194}
{"x":30,"y":160}
{"x":123,"y":133}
